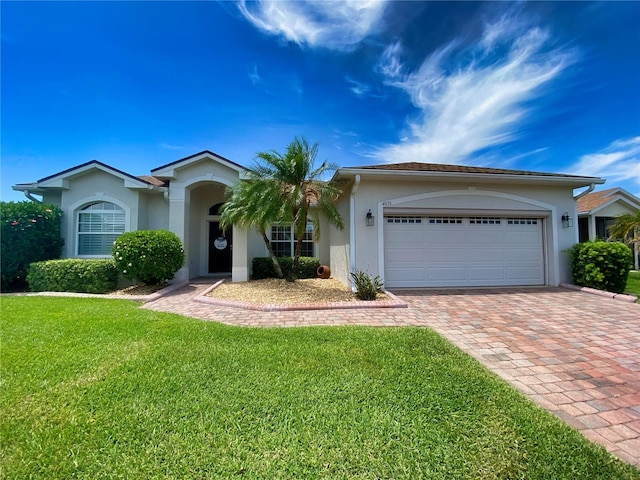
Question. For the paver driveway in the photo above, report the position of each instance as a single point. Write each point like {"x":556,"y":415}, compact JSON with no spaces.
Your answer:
{"x":573,"y":353}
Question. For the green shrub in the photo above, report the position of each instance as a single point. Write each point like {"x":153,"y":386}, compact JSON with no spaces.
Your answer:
{"x":73,"y":275}
{"x":367,"y":288}
{"x":600,"y":265}
{"x":150,"y":256}
{"x":30,"y":233}
{"x":262,"y":267}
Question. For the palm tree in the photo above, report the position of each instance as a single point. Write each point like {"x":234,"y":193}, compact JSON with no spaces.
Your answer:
{"x":626,"y":228}
{"x":288,"y":189}
{"x":248,"y":204}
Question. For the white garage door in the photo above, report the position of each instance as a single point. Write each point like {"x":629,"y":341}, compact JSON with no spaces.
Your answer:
{"x":430,"y":251}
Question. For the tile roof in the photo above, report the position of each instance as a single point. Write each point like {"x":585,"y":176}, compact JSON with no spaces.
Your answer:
{"x":594,"y":200}
{"x":437,"y":167}
{"x":153,"y":180}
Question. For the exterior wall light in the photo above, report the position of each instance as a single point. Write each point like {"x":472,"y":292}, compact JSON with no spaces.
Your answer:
{"x":369,"y":219}
{"x":567,"y":221}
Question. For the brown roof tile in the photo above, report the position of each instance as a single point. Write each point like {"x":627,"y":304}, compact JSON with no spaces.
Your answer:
{"x":595,"y":199}
{"x":153,"y":180}
{"x":437,"y":167}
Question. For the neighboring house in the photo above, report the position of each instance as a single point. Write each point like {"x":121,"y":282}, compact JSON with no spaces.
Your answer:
{"x":597,"y":211}
{"x":413,"y":224}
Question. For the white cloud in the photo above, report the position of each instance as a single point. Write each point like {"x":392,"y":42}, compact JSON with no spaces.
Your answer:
{"x":170,"y":146}
{"x":337,"y":25}
{"x":618,"y":162}
{"x":254,"y":76}
{"x":471,"y":98}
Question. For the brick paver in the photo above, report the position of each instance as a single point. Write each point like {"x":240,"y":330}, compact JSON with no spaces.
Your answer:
{"x":575,"y":354}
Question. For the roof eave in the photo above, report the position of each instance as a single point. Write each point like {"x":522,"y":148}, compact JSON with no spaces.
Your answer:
{"x":168,"y":171}
{"x":574,"y":181}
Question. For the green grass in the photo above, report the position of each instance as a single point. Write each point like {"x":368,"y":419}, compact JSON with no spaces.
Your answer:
{"x":633,"y":284}
{"x":103,"y":389}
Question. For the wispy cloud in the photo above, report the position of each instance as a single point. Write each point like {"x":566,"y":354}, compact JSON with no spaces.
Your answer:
{"x":359,"y":88}
{"x":336,"y":25}
{"x":169,"y":146}
{"x":618,"y":162}
{"x":471,"y":98}
{"x":254,"y":76}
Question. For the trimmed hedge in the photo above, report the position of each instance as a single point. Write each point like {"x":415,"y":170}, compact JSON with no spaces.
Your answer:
{"x":73,"y":275}
{"x":30,"y":233}
{"x":601,"y":265}
{"x":263,"y":267}
{"x":150,"y":256}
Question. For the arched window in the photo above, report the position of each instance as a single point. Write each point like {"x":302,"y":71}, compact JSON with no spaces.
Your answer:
{"x":99,"y":224}
{"x":215,"y":210}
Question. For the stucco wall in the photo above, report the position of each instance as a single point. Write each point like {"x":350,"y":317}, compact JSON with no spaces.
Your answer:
{"x":339,"y":243}
{"x":615,"y":210}
{"x":548,"y":202}
{"x":99,"y":186}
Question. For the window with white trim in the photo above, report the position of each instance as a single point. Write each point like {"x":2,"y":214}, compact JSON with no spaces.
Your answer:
{"x":283,"y":241}
{"x":99,"y":224}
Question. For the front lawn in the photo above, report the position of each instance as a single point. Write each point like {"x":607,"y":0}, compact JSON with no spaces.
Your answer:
{"x":633,"y":284}
{"x":103,"y":389}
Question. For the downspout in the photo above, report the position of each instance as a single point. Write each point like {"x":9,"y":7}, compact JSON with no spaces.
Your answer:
{"x":31,"y":197}
{"x":588,"y":190}
{"x":352,"y":227}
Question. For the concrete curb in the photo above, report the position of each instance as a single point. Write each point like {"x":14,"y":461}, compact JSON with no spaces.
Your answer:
{"x":616,"y":296}
{"x":139,"y":298}
{"x":356,"y":304}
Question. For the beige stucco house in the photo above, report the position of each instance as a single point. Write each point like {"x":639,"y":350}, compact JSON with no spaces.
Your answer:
{"x":413,"y":224}
{"x":597,"y":211}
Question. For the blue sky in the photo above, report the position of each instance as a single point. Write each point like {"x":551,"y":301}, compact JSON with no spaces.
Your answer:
{"x":544,"y":86}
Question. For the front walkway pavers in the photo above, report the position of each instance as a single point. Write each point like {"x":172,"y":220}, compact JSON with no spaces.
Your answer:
{"x":573,"y":353}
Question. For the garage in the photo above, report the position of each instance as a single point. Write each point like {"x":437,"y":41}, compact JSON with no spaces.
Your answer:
{"x":463,"y":251}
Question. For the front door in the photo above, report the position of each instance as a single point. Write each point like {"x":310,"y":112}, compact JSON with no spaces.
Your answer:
{"x":219,"y":249}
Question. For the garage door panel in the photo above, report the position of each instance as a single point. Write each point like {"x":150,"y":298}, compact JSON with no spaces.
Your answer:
{"x":406,"y":274}
{"x":443,"y":237}
{"x":441,"y":274}
{"x":518,"y":237}
{"x":468,"y":251}
{"x":525,"y":273}
{"x":445,"y":255}
{"x":486,"y":273}
{"x":490,"y":237}
{"x":407,"y":255}
{"x":533,"y":255}
{"x":484,"y":255}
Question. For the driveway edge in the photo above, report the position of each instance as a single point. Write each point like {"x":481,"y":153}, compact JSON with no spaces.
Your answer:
{"x":616,"y":296}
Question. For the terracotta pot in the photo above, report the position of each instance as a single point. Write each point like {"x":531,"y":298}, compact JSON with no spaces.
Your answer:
{"x":324,"y":271}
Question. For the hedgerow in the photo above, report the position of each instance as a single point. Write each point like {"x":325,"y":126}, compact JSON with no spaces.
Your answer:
{"x":150,"y":256}
{"x":73,"y":275}
{"x":601,"y":265}
{"x":30,"y":233}
{"x":262,"y":267}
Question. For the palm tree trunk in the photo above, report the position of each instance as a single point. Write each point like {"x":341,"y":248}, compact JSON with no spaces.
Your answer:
{"x":274,"y":259}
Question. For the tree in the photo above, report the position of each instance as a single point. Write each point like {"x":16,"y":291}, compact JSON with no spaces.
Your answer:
{"x":285,"y":188}
{"x":626,"y":228}
{"x":249,"y":204}
{"x":30,"y":233}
